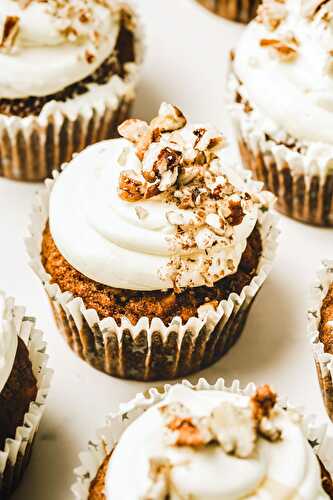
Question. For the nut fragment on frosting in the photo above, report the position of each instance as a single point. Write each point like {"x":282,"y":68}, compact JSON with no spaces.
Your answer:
{"x":236,"y":429}
{"x":9,"y":32}
{"x":285,"y":47}
{"x":180,"y":164}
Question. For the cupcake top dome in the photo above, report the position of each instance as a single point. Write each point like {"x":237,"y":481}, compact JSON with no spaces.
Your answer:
{"x":210,"y":445}
{"x":163,"y":207}
{"x":285,"y":62}
{"x":8,"y":345}
{"x":48,"y":45}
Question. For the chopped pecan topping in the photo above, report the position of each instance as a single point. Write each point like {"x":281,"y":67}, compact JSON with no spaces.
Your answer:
{"x":285,"y":49}
{"x":132,"y":188}
{"x":236,"y":212}
{"x":263,"y":403}
{"x":10,"y":31}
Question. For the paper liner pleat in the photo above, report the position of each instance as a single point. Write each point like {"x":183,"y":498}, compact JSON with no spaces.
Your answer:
{"x":235,"y":10}
{"x":15,"y":455}
{"x":32,"y":147}
{"x":116,"y":423}
{"x":303,"y":192}
{"x":323,"y":360}
{"x":150,"y":350}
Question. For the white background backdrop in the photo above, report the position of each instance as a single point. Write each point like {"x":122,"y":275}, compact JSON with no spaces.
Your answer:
{"x":186,"y":62}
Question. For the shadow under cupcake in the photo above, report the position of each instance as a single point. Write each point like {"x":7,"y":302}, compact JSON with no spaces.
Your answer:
{"x":69,"y":72}
{"x":152,"y":248}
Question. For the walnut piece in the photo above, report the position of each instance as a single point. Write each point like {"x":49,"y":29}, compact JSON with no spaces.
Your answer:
{"x":234,"y":429}
{"x":263,"y":403}
{"x":271,"y":13}
{"x":285,"y":49}
{"x":184,"y":429}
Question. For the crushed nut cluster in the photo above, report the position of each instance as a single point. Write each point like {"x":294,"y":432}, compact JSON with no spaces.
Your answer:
{"x":271,"y":13}
{"x":74,"y":19}
{"x":180,"y":163}
{"x":285,"y":47}
{"x":235,"y":429}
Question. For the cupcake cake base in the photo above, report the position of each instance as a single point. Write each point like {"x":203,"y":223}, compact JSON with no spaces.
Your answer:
{"x":241,"y":11}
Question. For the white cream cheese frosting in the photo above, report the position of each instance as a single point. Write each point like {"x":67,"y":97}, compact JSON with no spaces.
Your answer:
{"x":135,"y":244}
{"x":285,"y":63}
{"x":57,"y":44}
{"x":8,"y":345}
{"x":282,"y":469}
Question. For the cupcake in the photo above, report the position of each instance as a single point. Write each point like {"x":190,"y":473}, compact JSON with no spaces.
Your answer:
{"x":24,"y":384}
{"x":242,"y":11}
{"x":68,"y":75}
{"x":206,"y":442}
{"x":281,"y":92}
{"x":320,"y":329}
{"x":152,"y":248}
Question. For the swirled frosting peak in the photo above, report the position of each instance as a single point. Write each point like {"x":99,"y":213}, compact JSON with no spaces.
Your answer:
{"x":47,"y":45}
{"x":161,"y":208}
{"x":214,"y":445}
{"x":285,"y":62}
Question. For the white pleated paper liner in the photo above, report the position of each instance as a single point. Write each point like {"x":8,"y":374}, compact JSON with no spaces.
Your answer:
{"x":323,"y":360}
{"x":304,"y":190}
{"x":150,"y":350}
{"x":32,"y":147}
{"x":109,"y":435}
{"x":15,"y":456}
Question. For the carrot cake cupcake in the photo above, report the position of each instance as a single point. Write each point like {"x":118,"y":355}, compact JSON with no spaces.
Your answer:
{"x":152,"y":248}
{"x":321,"y":331}
{"x":281,"y":87}
{"x":24,"y":383}
{"x":205,"y":442}
{"x":68,"y":75}
{"x":234,"y":10}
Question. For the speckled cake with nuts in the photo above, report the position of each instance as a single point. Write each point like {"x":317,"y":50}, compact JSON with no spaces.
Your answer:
{"x":162,"y":238}
{"x":281,"y":93}
{"x":68,"y":75}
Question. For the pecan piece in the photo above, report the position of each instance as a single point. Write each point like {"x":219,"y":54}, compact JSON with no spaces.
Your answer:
{"x":236,"y":216}
{"x":169,"y":119}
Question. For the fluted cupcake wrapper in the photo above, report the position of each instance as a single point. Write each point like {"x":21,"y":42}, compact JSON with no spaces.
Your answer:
{"x":235,"y":10}
{"x":323,"y":360}
{"x":15,"y":455}
{"x":33,"y":146}
{"x":304,"y":192}
{"x":150,"y":350}
{"x":116,"y":423}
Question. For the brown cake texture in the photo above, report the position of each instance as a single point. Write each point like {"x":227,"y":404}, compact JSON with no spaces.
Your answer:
{"x":16,"y":396}
{"x":123,"y":53}
{"x":96,"y":491}
{"x":325,"y":329}
{"x":116,"y":303}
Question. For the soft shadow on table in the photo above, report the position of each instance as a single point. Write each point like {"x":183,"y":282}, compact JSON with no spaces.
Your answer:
{"x":266,"y":337}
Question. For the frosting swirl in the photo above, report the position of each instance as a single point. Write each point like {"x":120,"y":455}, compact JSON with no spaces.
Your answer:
{"x":162,"y":466}
{"x":285,"y":62}
{"x":8,"y":346}
{"x":152,"y":239}
{"x":47,"y":46}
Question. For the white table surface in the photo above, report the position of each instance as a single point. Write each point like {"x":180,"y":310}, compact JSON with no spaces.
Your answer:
{"x":185,"y":64}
